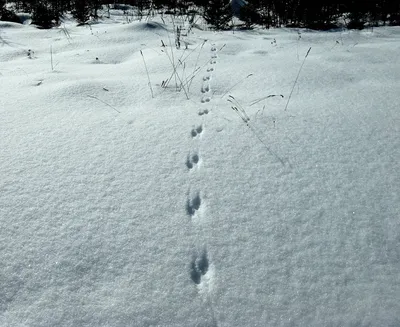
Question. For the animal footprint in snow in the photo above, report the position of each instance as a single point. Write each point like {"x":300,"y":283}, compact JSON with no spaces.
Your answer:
{"x":213,"y":48}
{"x":205,"y":99}
{"x":199,"y":266}
{"x":196,"y":131}
{"x":207,"y":78}
{"x":210,"y":69}
{"x":193,"y":205}
{"x":203,"y":112}
{"x":192,"y":161}
{"x":205,"y":88}
{"x":214,"y":56}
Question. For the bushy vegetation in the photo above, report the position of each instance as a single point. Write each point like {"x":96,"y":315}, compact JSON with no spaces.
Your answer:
{"x":7,"y":15}
{"x":322,"y":14}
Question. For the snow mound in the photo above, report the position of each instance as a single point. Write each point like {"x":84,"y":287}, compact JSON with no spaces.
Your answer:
{"x":10,"y":25}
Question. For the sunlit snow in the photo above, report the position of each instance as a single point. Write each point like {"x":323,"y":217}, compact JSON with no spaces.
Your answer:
{"x":122,"y":209}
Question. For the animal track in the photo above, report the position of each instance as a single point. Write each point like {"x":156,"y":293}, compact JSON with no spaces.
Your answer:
{"x":192,"y":161}
{"x":197,"y":131}
{"x":193,"y":205}
{"x":205,"y":88}
{"x":199,"y":266}
{"x":201,"y":270}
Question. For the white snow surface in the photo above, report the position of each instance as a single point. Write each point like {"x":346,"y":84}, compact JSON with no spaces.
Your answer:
{"x":119,"y":209}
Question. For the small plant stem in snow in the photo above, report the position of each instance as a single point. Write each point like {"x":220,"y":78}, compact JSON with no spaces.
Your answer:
{"x":93,"y":97}
{"x":183,"y":75}
{"x":195,"y":65}
{"x":239,"y":110}
{"x":230,"y":89}
{"x":298,"y":74}
{"x":148,"y":76}
{"x":173,"y":60}
{"x":267,"y":97}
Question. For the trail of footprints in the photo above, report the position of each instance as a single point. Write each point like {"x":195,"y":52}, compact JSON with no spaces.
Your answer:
{"x":206,"y":87}
{"x":200,"y":264}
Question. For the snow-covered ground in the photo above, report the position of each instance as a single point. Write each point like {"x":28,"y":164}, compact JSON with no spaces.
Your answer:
{"x":120,"y":209}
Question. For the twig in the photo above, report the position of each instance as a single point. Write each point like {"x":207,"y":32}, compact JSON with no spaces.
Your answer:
{"x":93,"y":97}
{"x":298,"y":74}
{"x":148,"y":76}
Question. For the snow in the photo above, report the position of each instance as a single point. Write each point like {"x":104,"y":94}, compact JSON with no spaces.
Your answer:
{"x":119,"y":209}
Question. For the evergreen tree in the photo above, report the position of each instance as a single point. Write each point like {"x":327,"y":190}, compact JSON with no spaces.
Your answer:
{"x":390,"y":11}
{"x":320,"y":14}
{"x":249,"y":15}
{"x":264,"y":9}
{"x":58,"y":8}
{"x":81,"y":10}
{"x":24,"y":5}
{"x":95,"y":5}
{"x":44,"y":15}
{"x":218,"y":13}
{"x":358,"y":14}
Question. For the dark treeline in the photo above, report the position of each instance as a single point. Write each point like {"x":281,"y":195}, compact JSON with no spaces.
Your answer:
{"x":322,"y":14}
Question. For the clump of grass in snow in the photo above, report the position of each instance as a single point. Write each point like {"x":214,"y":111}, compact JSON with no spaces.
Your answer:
{"x":241,"y":112}
{"x":183,"y":81}
{"x":66,"y":33}
{"x":178,"y":65}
